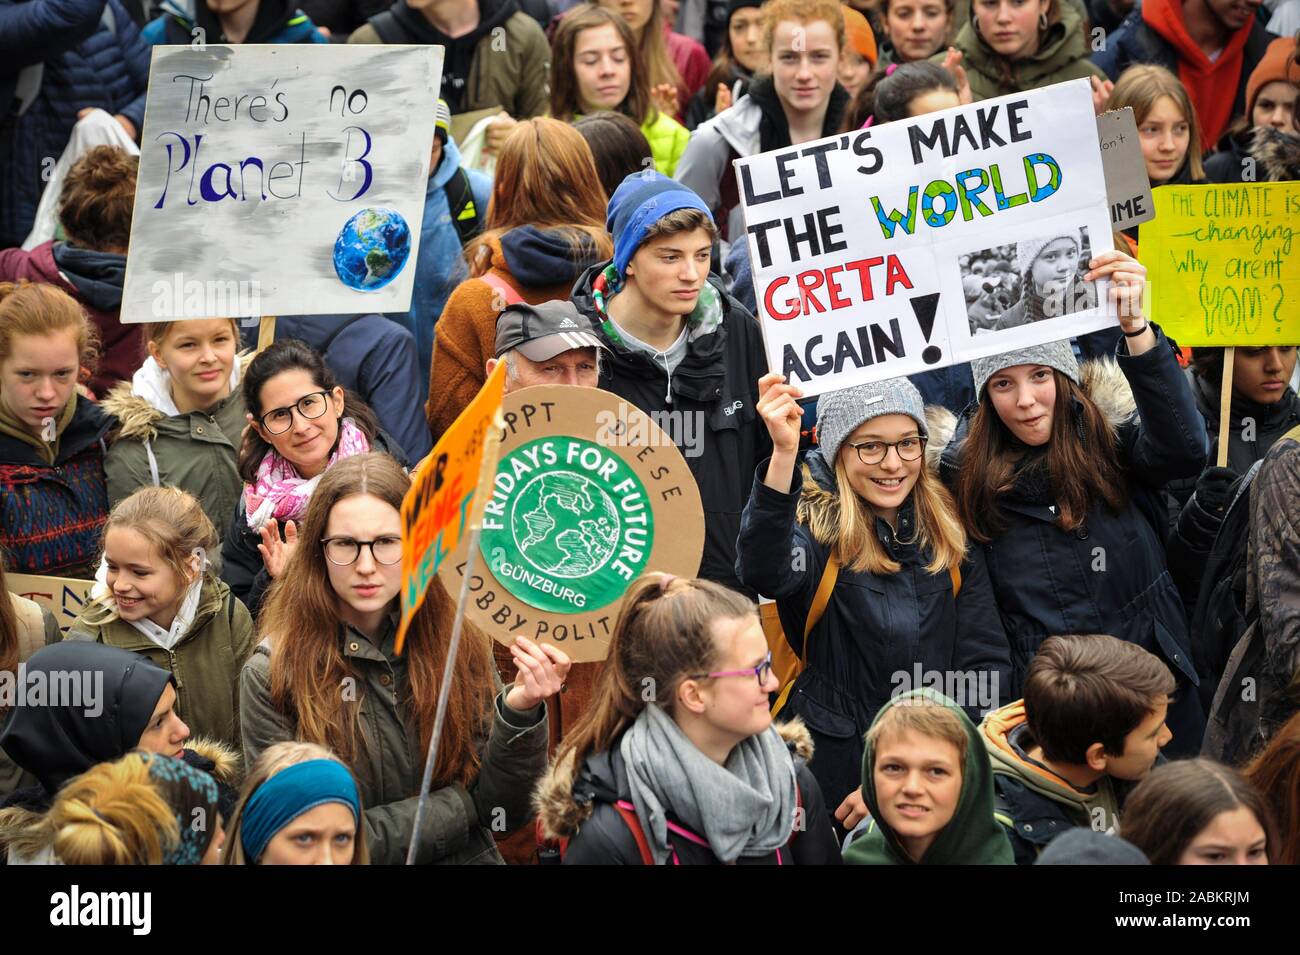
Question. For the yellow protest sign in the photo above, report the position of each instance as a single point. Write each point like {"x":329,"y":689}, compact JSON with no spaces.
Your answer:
{"x":1220,"y":264}
{"x":62,"y":596}
{"x":444,"y":502}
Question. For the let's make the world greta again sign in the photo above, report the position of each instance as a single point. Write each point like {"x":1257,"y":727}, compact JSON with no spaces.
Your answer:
{"x":929,"y":241}
{"x":281,"y":180}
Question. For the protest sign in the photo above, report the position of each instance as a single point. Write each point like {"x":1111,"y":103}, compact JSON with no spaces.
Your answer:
{"x":62,"y":596}
{"x":281,"y":179}
{"x":1128,"y":190}
{"x":1220,"y":263}
{"x":589,"y":494}
{"x":447,"y":495}
{"x":929,"y":241}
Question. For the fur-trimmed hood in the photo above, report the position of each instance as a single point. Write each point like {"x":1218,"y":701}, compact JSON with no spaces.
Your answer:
{"x":1277,"y":152}
{"x":819,"y":503}
{"x":225,"y":765}
{"x":139,"y":404}
{"x":1101,"y":379}
{"x":562,"y":813}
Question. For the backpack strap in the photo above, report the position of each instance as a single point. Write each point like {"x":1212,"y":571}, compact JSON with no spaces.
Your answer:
{"x":464,"y":210}
{"x":821,"y":598}
{"x":508,"y":291}
{"x":387,"y":27}
{"x":628,"y":812}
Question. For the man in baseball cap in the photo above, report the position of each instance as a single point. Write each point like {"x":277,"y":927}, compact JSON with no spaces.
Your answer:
{"x":546,"y":344}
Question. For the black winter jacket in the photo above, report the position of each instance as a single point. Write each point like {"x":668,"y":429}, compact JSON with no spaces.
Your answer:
{"x":710,"y":413}
{"x":877,"y":630}
{"x":583,"y":812}
{"x":241,"y":562}
{"x":1109,"y":575}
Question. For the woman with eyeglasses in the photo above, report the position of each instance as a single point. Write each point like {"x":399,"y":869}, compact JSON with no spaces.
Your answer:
{"x":300,"y":423}
{"x":862,"y":550}
{"x":326,"y":672}
{"x":677,"y":761}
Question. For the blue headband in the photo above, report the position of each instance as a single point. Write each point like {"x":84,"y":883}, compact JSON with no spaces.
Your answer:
{"x":288,"y":794}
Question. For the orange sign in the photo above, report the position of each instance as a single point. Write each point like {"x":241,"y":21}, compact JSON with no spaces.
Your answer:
{"x":444,"y":503}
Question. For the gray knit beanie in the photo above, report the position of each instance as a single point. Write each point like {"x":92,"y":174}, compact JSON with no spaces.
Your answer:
{"x":1058,"y":355}
{"x":1029,"y":249}
{"x":840,"y":413}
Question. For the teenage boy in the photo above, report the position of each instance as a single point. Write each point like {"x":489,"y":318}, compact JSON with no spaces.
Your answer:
{"x":681,"y":349}
{"x":1092,"y":722}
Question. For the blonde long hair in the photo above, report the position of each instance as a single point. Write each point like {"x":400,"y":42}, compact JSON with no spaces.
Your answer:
{"x":849,"y":525}
{"x":274,"y":759}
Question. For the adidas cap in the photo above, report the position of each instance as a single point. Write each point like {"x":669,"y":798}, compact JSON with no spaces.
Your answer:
{"x":541,"y":332}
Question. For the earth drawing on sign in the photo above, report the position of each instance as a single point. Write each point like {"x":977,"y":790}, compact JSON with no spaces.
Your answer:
{"x":575,"y":551}
{"x":371,"y":248}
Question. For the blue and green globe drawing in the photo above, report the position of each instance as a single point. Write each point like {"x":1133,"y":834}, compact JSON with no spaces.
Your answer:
{"x":371,"y":249}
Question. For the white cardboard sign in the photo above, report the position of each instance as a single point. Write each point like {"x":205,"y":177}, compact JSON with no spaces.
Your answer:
{"x":930,"y":241}
{"x":281,"y":180}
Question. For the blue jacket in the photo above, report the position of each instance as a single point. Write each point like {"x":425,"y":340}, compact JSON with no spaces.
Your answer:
{"x":376,"y":359}
{"x":87,"y":63}
{"x":876,"y":630}
{"x":440,"y":266}
{"x":1109,"y":575}
{"x":277,"y":21}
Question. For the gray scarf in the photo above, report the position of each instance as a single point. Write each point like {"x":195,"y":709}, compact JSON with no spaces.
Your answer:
{"x":745,"y":808}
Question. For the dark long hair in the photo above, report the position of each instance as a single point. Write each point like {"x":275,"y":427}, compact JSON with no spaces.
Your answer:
{"x":1082,"y":463}
{"x":637,"y":105}
{"x":887,"y":96}
{"x":290,"y":354}
{"x":618,"y":146}
{"x":1170,"y":807}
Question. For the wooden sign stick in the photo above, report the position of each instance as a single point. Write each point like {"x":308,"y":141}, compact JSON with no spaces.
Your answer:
{"x":1225,"y":406}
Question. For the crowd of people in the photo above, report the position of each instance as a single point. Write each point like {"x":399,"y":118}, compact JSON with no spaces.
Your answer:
{"x":1113,"y":618}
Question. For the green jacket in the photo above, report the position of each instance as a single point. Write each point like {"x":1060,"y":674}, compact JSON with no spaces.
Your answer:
{"x":511,"y":71}
{"x":195,"y":452}
{"x":460,"y":820}
{"x":667,"y":139}
{"x":972,"y":837}
{"x":1062,"y":56}
{"x":205,"y":662}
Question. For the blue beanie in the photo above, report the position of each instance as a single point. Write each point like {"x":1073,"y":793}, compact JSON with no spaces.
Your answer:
{"x":291,"y":792}
{"x":641,"y":200}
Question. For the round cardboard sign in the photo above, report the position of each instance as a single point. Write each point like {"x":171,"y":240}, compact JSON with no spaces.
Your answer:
{"x":589,"y":495}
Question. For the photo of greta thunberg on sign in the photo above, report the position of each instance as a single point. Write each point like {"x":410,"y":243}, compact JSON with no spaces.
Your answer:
{"x":1027,"y":281}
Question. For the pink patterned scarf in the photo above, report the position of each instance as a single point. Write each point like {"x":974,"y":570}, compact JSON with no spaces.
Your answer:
{"x":280,"y":492}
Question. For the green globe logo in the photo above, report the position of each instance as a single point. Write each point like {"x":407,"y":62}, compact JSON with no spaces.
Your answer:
{"x":564,"y":524}
{"x":568,"y":526}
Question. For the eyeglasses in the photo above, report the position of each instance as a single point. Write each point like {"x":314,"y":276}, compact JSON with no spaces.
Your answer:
{"x":344,"y":550}
{"x":280,"y":420}
{"x":873,"y":452}
{"x":761,"y":671}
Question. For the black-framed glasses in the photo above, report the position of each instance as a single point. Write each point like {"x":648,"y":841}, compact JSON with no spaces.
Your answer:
{"x":873,"y":452}
{"x":761,"y":671}
{"x":344,"y":550}
{"x":280,"y":420}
